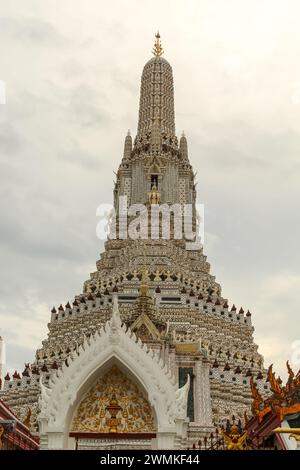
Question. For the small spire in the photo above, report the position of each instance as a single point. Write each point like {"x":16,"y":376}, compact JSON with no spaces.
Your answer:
{"x":157,"y":49}
{"x":25,"y":372}
{"x":127,"y":146}
{"x":35,"y":370}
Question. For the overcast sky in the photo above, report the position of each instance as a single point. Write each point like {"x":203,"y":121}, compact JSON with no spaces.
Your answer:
{"x":72,"y":72}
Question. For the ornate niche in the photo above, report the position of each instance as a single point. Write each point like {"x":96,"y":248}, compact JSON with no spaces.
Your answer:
{"x":114,"y":404}
{"x":154,"y":168}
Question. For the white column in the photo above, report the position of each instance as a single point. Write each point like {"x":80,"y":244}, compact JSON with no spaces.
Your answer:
{"x":55,"y":440}
{"x":197,"y":394}
{"x":203,"y":411}
{"x":165,"y":440}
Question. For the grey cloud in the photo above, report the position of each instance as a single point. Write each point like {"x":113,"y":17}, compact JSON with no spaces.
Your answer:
{"x":10,"y":140}
{"x":83,"y":107}
{"x":37,"y":232}
{"x":83,"y":159}
{"x":247,"y":153}
{"x":72,"y":68}
{"x":17,"y":355}
{"x":33,"y":30}
{"x":127,"y":85}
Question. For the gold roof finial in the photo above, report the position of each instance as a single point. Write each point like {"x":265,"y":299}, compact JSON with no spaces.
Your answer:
{"x":157,"y":49}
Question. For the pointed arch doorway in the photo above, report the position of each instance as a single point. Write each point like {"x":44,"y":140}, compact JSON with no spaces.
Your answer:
{"x":114,"y":414}
{"x":113,"y":344}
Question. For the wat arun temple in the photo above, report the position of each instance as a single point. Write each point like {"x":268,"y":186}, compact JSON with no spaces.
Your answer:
{"x":150,"y":355}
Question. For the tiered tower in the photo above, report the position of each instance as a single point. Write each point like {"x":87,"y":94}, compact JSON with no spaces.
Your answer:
{"x":166,"y":293}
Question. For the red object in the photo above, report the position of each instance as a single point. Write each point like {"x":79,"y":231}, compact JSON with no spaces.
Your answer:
{"x":16,"y":435}
{"x":261,"y":432}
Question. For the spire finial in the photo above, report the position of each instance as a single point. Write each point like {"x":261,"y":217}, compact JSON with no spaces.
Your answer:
{"x":157,"y":49}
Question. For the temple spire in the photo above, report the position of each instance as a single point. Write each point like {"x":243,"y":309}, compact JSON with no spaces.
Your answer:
{"x":157,"y":97}
{"x":127,"y":146}
{"x":183,"y":146}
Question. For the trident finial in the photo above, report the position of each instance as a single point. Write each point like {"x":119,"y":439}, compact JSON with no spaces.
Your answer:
{"x":157,"y":49}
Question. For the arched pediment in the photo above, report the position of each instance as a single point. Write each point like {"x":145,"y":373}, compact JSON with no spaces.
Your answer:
{"x":114,"y":341}
{"x":144,"y":327}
